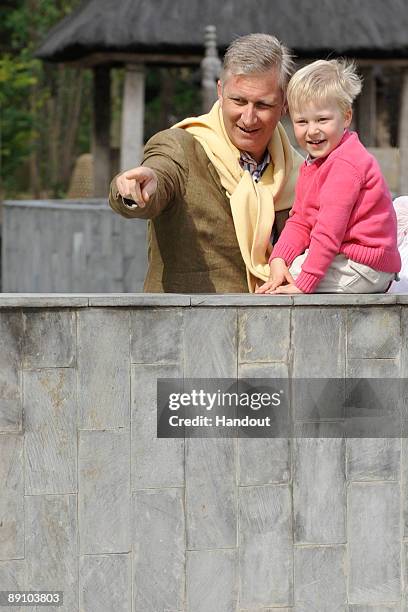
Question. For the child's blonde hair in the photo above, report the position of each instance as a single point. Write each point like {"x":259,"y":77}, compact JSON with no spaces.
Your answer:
{"x":323,"y":81}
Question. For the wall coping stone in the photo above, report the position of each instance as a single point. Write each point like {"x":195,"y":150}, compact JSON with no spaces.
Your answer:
{"x":83,"y":300}
{"x":78,"y":204}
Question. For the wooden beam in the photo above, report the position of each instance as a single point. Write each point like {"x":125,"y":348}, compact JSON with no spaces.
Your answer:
{"x":367,"y":109}
{"x":120,"y":59}
{"x":101,"y":131}
{"x":403,"y":135}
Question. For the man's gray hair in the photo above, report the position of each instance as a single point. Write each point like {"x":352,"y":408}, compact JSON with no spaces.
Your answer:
{"x":257,"y":53}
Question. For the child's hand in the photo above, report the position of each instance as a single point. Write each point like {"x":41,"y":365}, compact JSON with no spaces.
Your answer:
{"x":279,"y":275}
{"x":290,"y":288}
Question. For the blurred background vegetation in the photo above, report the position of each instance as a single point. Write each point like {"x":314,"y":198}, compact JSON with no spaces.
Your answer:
{"x":46,"y":109}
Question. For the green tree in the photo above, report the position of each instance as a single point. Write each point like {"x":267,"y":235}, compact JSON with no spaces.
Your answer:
{"x":44,"y":112}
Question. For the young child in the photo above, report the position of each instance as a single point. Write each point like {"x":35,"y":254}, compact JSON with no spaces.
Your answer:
{"x":342,"y":235}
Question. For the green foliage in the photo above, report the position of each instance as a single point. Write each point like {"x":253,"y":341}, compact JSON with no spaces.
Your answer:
{"x":37,"y":102}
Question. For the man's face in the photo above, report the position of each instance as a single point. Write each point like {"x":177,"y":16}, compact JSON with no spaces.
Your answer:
{"x":252,"y":105}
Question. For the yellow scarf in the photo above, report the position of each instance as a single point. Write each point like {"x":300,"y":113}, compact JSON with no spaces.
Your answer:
{"x":253,"y":204}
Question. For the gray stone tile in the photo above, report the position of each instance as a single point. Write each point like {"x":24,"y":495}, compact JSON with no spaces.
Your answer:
{"x":344,"y":299}
{"x":404,"y":342}
{"x":383,"y":608}
{"x":265,"y":546}
{"x":211,"y":493}
{"x":264,"y":461}
{"x":263,"y":370}
{"x":320,"y":579}
{"x":319,"y":491}
{"x":49,"y":338}
{"x":267,"y":609}
{"x":319,"y":338}
{"x":216,"y":330}
{"x":43,"y":300}
{"x":372,"y":368}
{"x":156,"y":335}
{"x":105,"y":583}
{"x":241,"y":299}
{"x":12,"y":578}
{"x":323,"y":331}
{"x":139,"y":299}
{"x":103,"y":372}
{"x":159,"y":550}
{"x":156,"y":462}
{"x":374,"y":542}
{"x":51,"y":436}
{"x":263,"y":334}
{"x":11,"y":331}
{"x":212,"y":581}
{"x":51,"y":546}
{"x":373,"y":458}
{"x":404,"y":486}
{"x":12,"y":497}
{"x":104,"y":491}
{"x":373,"y":333}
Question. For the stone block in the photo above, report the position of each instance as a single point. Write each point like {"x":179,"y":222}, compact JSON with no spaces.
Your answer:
{"x":159,"y":550}
{"x":404,"y":487}
{"x":372,"y":368}
{"x":319,"y":338}
{"x":263,"y":461}
{"x":216,"y":330}
{"x":156,"y":462}
{"x":275,"y":369}
{"x":12,"y":497}
{"x":319,"y":491}
{"x":404,"y":341}
{"x":105,"y":583}
{"x":104,"y":492}
{"x":374,"y":543}
{"x":49,"y":339}
{"x":12,"y":578}
{"x":212,"y":581}
{"x":383,"y":608}
{"x":51,"y":549}
{"x":103,"y":369}
{"x":156,"y":335}
{"x":373,"y":333}
{"x":11,"y":331}
{"x":373,"y":458}
{"x":265,"y":546}
{"x":211,"y":493}
{"x":51,"y":435}
{"x":320,"y":579}
{"x":263,"y":334}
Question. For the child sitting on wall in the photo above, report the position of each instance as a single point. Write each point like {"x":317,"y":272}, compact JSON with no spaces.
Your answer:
{"x":342,"y":235}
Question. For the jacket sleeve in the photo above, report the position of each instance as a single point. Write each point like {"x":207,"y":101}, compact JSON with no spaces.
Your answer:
{"x":295,"y":236}
{"x":164,"y":153}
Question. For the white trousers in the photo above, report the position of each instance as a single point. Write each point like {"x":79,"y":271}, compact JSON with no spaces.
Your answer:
{"x":347,"y":276}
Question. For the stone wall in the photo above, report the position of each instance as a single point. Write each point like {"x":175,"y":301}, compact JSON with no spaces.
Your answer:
{"x":71,"y":246}
{"x":93,"y":504}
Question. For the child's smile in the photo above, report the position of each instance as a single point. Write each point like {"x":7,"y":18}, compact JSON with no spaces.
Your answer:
{"x":319,"y":129}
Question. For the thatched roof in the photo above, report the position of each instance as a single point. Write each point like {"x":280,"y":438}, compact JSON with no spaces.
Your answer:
{"x":362,"y":28}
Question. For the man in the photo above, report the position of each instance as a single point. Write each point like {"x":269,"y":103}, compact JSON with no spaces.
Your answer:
{"x":217,"y":185}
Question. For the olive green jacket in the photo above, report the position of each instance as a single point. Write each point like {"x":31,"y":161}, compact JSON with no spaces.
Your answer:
{"x":192,"y":246}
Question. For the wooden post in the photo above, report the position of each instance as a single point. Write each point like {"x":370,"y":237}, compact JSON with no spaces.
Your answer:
{"x":210,"y":69}
{"x":403,"y":135}
{"x":367,"y":111}
{"x":131,"y":151}
{"x":101,"y":131}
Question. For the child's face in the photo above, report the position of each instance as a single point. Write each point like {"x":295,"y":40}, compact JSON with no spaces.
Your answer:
{"x":319,"y":128}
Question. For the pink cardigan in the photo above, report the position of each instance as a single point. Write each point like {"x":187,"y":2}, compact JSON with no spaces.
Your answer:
{"x":342,"y":205}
